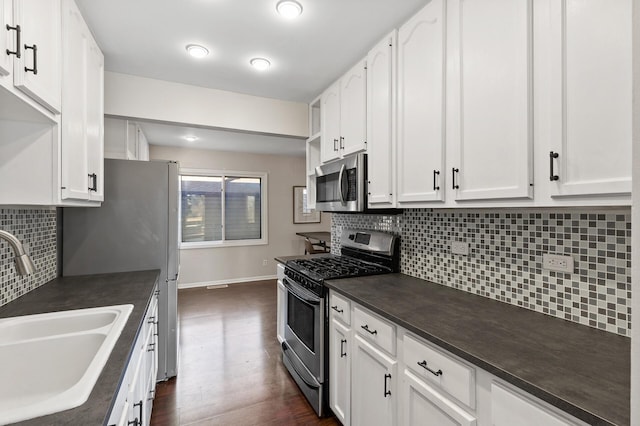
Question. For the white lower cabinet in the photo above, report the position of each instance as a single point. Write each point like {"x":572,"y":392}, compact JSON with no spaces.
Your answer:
{"x":423,"y":405}
{"x":340,"y":371}
{"x":134,"y":401}
{"x":423,"y":385}
{"x":373,"y":385}
{"x":509,"y":408}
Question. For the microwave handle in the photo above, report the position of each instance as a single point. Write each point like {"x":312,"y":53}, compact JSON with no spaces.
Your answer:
{"x":340,"y":175}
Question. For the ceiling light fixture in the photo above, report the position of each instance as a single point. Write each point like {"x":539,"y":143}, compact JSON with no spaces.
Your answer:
{"x":289,"y":9}
{"x":261,"y":64}
{"x":197,"y":51}
{"x":191,"y":138}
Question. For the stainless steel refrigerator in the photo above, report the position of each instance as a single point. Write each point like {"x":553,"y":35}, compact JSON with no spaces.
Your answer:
{"x":136,"y":228}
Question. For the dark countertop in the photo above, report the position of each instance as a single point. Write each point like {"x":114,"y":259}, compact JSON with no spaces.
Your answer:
{"x":581,"y":370}
{"x":91,"y":291}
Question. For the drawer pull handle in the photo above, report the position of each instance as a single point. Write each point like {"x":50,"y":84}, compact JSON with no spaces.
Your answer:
{"x":386,"y":392}
{"x":423,"y":364}
{"x":342,"y":352}
{"x":335,"y":308}
{"x":366,"y":328}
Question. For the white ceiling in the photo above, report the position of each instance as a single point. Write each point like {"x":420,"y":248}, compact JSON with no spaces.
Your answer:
{"x":148,"y":38}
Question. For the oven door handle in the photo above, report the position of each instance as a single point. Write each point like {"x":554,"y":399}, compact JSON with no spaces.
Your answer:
{"x":308,"y":298}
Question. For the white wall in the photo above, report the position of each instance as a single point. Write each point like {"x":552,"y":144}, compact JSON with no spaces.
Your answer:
{"x":635,"y":220}
{"x":237,"y":264}
{"x":145,"y":98}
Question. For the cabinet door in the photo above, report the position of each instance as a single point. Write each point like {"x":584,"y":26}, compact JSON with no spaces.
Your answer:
{"x":340,"y":371}
{"x":490,"y":114}
{"x":7,"y":37}
{"x":373,"y":386}
{"x":381,"y":64}
{"x":95,"y":119}
{"x":330,"y":105}
{"x":353,"y":109}
{"x":508,"y":409}
{"x":421,"y":113}
{"x":591,"y":97}
{"x":423,"y":405}
{"x":74,"y":170}
{"x":39,"y":22}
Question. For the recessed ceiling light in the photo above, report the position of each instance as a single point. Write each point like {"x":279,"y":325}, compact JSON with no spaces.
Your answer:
{"x":289,"y":9}
{"x":197,"y":51}
{"x":191,"y":138}
{"x":261,"y":64}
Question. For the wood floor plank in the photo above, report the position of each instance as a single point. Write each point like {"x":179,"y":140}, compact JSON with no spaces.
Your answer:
{"x":231,"y":370}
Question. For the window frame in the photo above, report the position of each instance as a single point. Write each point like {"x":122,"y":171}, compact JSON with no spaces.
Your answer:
{"x":227,"y":243}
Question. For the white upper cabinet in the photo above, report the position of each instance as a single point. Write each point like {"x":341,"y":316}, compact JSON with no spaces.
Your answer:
{"x":489,"y":100}
{"x":37,"y":71}
{"x":591,"y":87}
{"x":7,"y":37}
{"x":381,"y":64}
{"x":421,"y":107}
{"x":353,"y":109}
{"x":82,"y":103}
{"x":330,"y":106}
{"x":343,"y":119}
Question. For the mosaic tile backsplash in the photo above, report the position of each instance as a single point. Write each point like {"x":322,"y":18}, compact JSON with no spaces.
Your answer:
{"x":505,"y":257}
{"x":36,"y":230}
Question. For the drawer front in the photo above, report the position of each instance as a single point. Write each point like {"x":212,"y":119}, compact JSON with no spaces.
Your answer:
{"x":375,"y":329}
{"x":440,"y":369}
{"x":340,"y":308}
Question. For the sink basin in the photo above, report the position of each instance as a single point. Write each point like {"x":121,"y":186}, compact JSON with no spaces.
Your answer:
{"x":50,"y":362}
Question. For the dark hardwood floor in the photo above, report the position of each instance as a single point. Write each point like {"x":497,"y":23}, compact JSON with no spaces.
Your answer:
{"x":230,"y":370}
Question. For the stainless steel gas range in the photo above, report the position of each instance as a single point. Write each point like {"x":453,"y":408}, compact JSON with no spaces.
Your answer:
{"x":305,"y":346}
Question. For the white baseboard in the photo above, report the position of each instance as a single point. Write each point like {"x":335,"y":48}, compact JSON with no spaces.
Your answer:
{"x":229,"y":281}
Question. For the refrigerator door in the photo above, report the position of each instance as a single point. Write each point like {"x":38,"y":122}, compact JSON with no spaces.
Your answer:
{"x":131,"y":231}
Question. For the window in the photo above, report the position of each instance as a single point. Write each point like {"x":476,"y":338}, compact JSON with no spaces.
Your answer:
{"x":222,"y":208}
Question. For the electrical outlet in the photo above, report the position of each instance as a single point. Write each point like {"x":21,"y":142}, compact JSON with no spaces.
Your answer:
{"x":557,"y":262}
{"x":264,"y":262}
{"x":460,"y":247}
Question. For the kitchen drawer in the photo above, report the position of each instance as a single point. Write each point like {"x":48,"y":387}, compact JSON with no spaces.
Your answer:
{"x":375,"y":329}
{"x":449,"y":374}
{"x":340,"y":308}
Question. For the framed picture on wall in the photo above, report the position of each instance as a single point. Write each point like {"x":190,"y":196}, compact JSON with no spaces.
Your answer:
{"x":301,"y":212}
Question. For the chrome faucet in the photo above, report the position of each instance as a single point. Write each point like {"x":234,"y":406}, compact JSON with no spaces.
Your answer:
{"x":24,"y":265}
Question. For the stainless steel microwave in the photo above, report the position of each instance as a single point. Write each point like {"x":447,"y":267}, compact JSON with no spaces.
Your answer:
{"x":341,"y":185}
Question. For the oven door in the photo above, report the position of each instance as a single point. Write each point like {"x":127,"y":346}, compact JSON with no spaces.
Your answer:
{"x":303,"y":331}
{"x":340,"y":185}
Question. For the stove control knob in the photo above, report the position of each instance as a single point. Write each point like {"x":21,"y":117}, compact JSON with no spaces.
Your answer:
{"x":352,"y":237}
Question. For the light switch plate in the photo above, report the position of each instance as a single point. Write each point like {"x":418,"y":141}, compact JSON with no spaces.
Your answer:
{"x":557,"y":262}
{"x":460,"y":247}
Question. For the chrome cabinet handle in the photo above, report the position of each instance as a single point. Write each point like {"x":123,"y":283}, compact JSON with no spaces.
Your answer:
{"x":366,"y":328}
{"x":435,"y":174}
{"x":17,"y":51}
{"x":453,"y":177}
{"x":335,"y":145}
{"x":552,"y":177}
{"x":34,"y":70}
{"x":423,"y":364}
{"x":342,"y":352}
{"x":335,"y":308}
{"x":341,"y":142}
